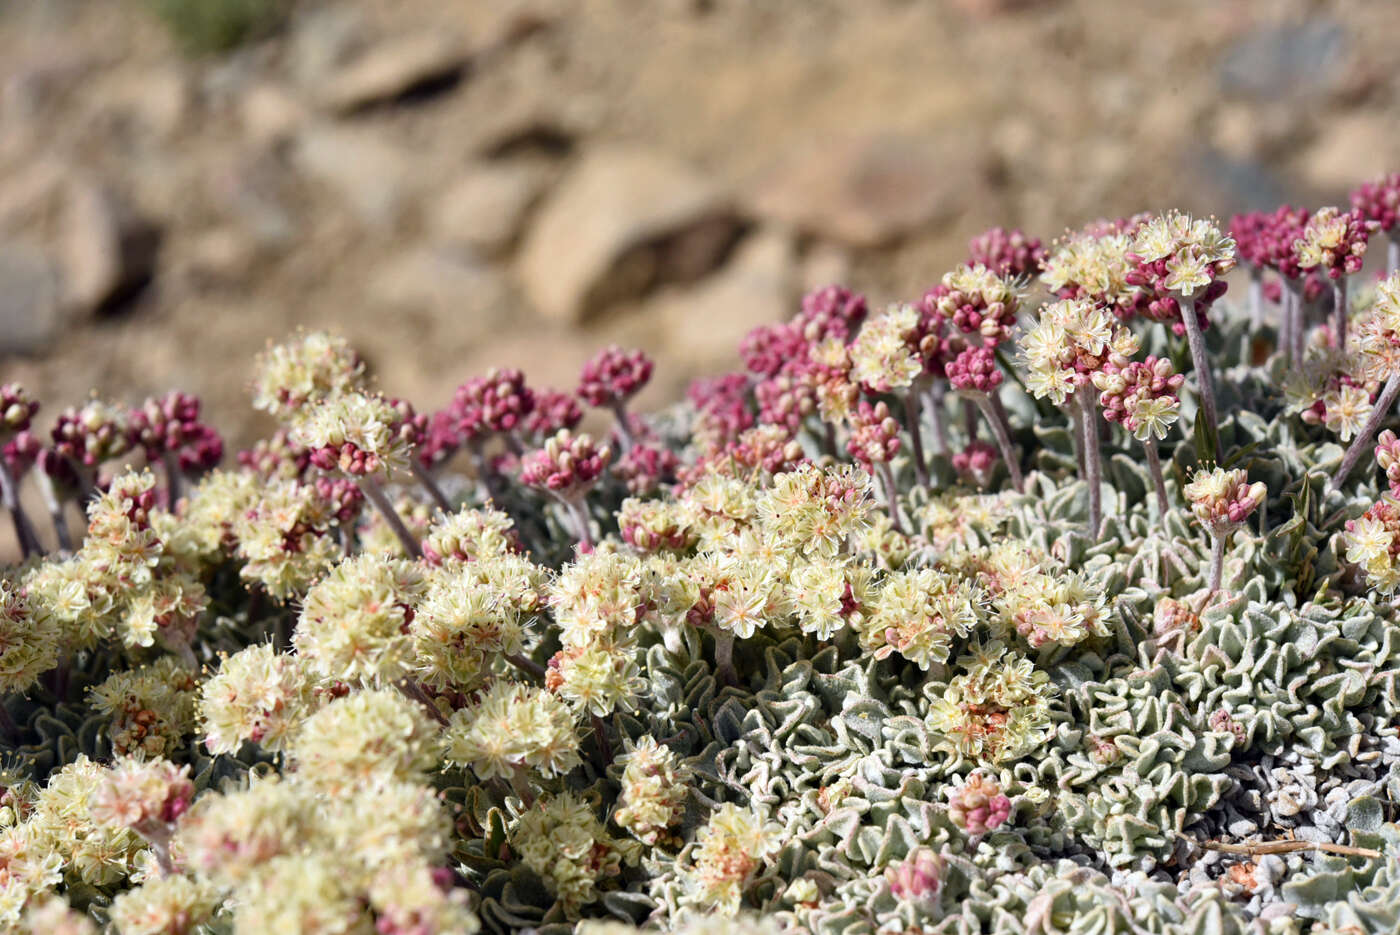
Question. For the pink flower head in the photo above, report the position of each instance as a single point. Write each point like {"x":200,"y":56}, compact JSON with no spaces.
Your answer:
{"x":978,"y":805}
{"x":170,"y":425}
{"x":768,"y":349}
{"x":23,"y":451}
{"x":1388,"y":457}
{"x":976,"y":461}
{"x":568,"y":465}
{"x":412,"y":427}
{"x":975,"y":370}
{"x":917,"y":878}
{"x":831,"y":312}
{"x":17,"y":409}
{"x":277,"y":456}
{"x":1007,"y":253}
{"x":91,"y":434}
{"x":554,"y":410}
{"x":441,"y":440}
{"x":644,"y":468}
{"x":341,"y":497}
{"x":786,"y":399}
{"x":976,"y":301}
{"x":614,"y":376}
{"x":874,"y":434}
{"x":722,"y":407}
{"x":1140,"y":395}
{"x":497,"y":402}
{"x":1379,"y":201}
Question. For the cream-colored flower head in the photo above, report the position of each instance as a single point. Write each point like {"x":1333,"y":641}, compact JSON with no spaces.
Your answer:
{"x":309,"y":367}
{"x":509,"y":726}
{"x":881,"y":355}
{"x":354,"y":624}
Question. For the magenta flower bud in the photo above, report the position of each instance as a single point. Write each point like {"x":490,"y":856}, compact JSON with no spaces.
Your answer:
{"x":554,"y":410}
{"x":1379,"y":201}
{"x":786,"y":399}
{"x":975,"y":370}
{"x":874,"y":435}
{"x":1388,"y":457}
{"x":978,"y":805}
{"x":1007,"y":253}
{"x":722,"y":407}
{"x":768,"y":349}
{"x":917,"y":878}
{"x":644,"y":468}
{"x":89,"y":435}
{"x":17,"y":409}
{"x":568,"y":465}
{"x":277,"y":456}
{"x":614,"y":376}
{"x":22,"y":452}
{"x":441,"y":440}
{"x":975,"y":462}
{"x":831,"y":312}
{"x":497,"y":402}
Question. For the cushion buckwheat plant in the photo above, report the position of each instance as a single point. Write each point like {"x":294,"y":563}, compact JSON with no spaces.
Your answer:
{"x":1060,"y":599}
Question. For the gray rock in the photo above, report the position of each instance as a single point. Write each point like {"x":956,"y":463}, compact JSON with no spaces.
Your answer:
{"x":867,"y":190}
{"x":487,"y":204}
{"x":1280,"y":61}
{"x":30,"y":315}
{"x":109,"y":249}
{"x":392,"y":69}
{"x":374,"y":177}
{"x":622,"y":222}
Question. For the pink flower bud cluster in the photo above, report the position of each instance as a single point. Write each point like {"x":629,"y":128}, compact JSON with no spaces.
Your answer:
{"x":614,"y":376}
{"x":874,"y":434}
{"x":1007,"y":253}
{"x":768,"y":349}
{"x":722,"y":409}
{"x":346,"y":456}
{"x":568,"y":465}
{"x":170,"y":425}
{"x":975,"y":370}
{"x":1388,"y":457}
{"x":554,"y":410}
{"x":277,"y":456}
{"x":831,"y":312}
{"x":1265,"y":239}
{"x":976,"y":461}
{"x":497,"y":402}
{"x":22,"y":451}
{"x":1379,"y":201}
{"x":1125,"y":391}
{"x":786,"y":399}
{"x":917,"y":878}
{"x":644,"y":468}
{"x":91,"y":434}
{"x":17,"y":409}
{"x":1334,"y":242}
{"x":441,"y":440}
{"x":976,"y":301}
{"x":978,"y":805}
{"x":1223,"y":499}
{"x":339,"y":498}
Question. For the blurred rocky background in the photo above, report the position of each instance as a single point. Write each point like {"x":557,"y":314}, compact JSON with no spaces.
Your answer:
{"x":457,"y":185}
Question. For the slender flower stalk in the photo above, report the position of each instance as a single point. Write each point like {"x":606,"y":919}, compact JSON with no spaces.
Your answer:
{"x":430,"y":486}
{"x":1093,"y":465}
{"x":1378,"y":342}
{"x":1379,"y":412}
{"x":374,"y":493}
{"x":1159,"y":482}
{"x":912,"y":418}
